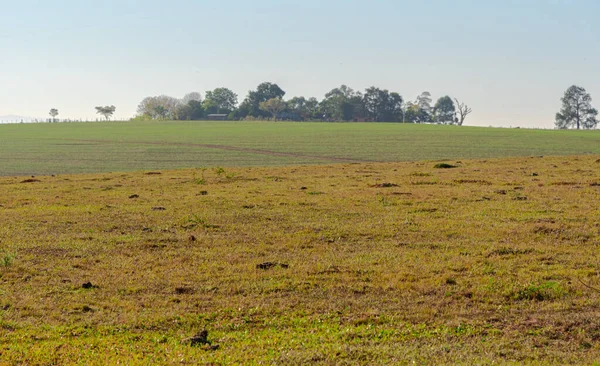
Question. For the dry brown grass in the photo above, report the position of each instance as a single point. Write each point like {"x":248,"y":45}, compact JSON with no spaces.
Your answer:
{"x":491,"y":261}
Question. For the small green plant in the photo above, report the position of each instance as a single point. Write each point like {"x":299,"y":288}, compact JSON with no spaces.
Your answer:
{"x":219,"y":171}
{"x":546,"y":291}
{"x":200,"y":180}
{"x":7,"y":259}
{"x":194,"y":221}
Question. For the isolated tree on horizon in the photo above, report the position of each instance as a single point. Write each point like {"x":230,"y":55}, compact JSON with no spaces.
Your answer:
{"x":106,"y":111}
{"x":577,"y":110}
{"x":463,"y":111}
{"x":53,"y":113}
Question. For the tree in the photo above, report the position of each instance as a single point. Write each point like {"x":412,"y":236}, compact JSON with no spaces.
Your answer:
{"x":161,"y":107}
{"x":192,"y":111}
{"x":264,"y":92}
{"x":191,"y":96}
{"x":412,"y":113}
{"x":383,"y":106}
{"x":576,"y":110}
{"x":106,"y":111}
{"x":220,"y":100}
{"x":297,"y":107}
{"x":444,"y":110}
{"x":342,"y":104}
{"x":463,"y":112}
{"x":273,"y":106}
{"x":424,"y":102}
{"x":53,"y":113}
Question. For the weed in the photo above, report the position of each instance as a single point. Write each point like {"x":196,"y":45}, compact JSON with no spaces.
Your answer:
{"x":202,"y":179}
{"x":195,"y":220}
{"x":7,"y":259}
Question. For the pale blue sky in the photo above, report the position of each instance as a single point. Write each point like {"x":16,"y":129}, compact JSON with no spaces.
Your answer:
{"x":510,"y":60}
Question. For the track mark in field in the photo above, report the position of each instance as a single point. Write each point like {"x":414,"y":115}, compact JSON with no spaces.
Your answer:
{"x":229,"y":148}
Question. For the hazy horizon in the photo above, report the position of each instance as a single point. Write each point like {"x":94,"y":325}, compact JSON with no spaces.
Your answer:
{"x":511,"y":61}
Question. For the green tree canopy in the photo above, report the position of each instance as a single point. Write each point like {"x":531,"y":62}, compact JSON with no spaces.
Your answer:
{"x":383,"y":106}
{"x":444,"y":110}
{"x":264,"y":92}
{"x":576,"y":110}
{"x":106,"y":111}
{"x":220,"y":100}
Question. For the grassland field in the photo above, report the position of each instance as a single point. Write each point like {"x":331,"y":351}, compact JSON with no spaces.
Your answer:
{"x":59,"y":148}
{"x":298,"y":244}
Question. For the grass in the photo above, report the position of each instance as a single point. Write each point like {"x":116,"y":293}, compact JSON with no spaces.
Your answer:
{"x":62,"y":148}
{"x":369,"y":263}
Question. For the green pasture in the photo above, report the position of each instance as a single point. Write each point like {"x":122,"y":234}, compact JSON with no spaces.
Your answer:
{"x":43,"y":149}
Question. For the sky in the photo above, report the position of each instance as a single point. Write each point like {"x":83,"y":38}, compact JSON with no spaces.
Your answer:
{"x":509,"y":60}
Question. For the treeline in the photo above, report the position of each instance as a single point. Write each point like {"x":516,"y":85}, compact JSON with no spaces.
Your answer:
{"x":340,"y":104}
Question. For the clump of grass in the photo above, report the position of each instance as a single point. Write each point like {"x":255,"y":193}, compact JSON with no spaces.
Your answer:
{"x":220,"y":172}
{"x":444,"y":166}
{"x":7,"y":259}
{"x":546,"y":291}
{"x":202,"y":179}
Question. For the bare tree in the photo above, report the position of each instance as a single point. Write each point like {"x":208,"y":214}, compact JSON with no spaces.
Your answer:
{"x":463,"y":111}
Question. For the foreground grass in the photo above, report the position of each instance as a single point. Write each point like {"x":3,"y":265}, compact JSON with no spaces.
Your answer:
{"x":62,"y":148}
{"x":489,"y":262}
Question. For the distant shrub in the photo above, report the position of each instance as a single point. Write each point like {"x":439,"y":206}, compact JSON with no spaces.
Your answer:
{"x":444,"y":166}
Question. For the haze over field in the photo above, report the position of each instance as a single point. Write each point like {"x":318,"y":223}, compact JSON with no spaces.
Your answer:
{"x":509,"y":60}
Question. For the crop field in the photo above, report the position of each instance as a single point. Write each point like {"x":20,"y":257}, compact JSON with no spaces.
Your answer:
{"x":475,"y":261}
{"x":60,"y":148}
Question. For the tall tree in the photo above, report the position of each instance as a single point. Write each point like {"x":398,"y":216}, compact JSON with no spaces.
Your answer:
{"x":424,"y":102}
{"x":161,"y":107}
{"x":264,"y":92}
{"x":274,"y":106}
{"x":342,"y":104}
{"x":297,"y":106}
{"x":444,"y":110}
{"x":191,"y":96}
{"x":576,"y":110}
{"x":53,"y":113}
{"x":312,"y":109}
{"x":383,"y":106}
{"x":106,"y":111}
{"x":220,"y":100}
{"x":192,"y":111}
{"x":463,"y":112}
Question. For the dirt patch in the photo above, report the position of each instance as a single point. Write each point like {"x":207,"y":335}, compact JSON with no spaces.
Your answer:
{"x":30,"y":180}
